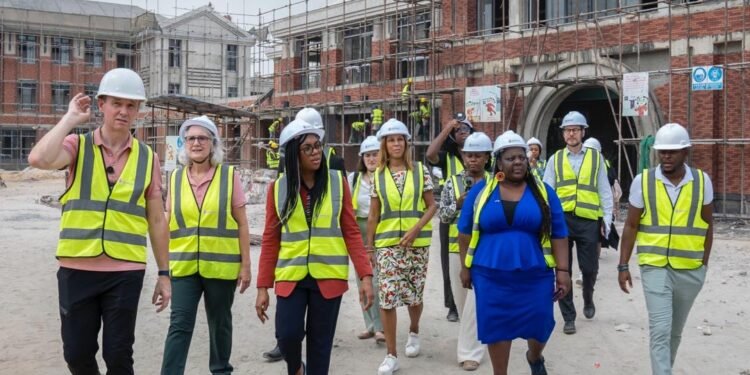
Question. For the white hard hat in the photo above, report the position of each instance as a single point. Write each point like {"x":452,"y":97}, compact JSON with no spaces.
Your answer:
{"x":202,"y":121}
{"x":672,"y":137}
{"x":393,"y":127}
{"x":122,"y":83}
{"x":574,"y":118}
{"x":534,"y":141}
{"x":369,"y":144}
{"x":297,"y":128}
{"x":593,"y":143}
{"x":509,"y":139}
{"x":477,"y":142}
{"x":310,"y":116}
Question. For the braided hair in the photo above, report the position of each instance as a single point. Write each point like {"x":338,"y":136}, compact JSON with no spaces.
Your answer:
{"x":293,"y":180}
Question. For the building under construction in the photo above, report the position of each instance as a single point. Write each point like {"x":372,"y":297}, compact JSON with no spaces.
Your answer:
{"x":346,"y":57}
{"x":548,"y":58}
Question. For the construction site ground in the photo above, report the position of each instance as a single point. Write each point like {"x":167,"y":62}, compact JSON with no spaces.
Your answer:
{"x":715,"y":340}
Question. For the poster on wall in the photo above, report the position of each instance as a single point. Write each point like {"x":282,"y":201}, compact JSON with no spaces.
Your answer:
{"x":482,"y":104}
{"x":635,"y":94}
{"x":174,"y":144}
{"x":707,"y":78}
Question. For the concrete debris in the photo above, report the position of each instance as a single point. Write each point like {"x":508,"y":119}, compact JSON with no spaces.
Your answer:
{"x":706,"y":331}
{"x":49,"y":201}
{"x":2,"y":183}
{"x":624,"y":327}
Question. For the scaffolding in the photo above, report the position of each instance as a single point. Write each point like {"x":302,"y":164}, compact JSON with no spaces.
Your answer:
{"x":613,"y":40}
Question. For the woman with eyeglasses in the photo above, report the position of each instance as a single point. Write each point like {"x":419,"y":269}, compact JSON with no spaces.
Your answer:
{"x":445,"y":153}
{"x":310,"y":235}
{"x":361,"y":182}
{"x":511,"y":239}
{"x":209,"y":247}
{"x":399,"y":232}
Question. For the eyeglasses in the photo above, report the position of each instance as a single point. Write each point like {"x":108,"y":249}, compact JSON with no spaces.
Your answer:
{"x":572,"y":130}
{"x":464,"y":129}
{"x":201,"y":139}
{"x":308,"y":149}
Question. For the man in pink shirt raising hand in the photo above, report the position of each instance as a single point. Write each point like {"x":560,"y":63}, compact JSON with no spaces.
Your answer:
{"x":112,"y":202}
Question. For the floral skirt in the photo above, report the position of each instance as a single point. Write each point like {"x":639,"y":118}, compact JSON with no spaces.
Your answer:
{"x":402,"y":273}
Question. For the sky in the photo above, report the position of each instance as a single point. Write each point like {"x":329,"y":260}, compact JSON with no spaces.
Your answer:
{"x":243,"y":12}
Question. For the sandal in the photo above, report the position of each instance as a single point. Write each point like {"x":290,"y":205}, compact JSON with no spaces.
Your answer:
{"x":364,"y":335}
{"x":379,"y":337}
{"x":537,"y":368}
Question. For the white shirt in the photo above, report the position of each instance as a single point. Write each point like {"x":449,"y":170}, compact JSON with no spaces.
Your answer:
{"x":636,"y":188}
{"x":363,"y":196}
{"x":605,"y":191}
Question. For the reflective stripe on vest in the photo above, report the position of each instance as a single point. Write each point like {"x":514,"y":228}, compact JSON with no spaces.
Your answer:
{"x":328,"y":152}
{"x":672,"y":234}
{"x":401,"y":211}
{"x":319,"y":250}
{"x":580,"y":194}
{"x":205,"y":239}
{"x":97,"y":219}
{"x":482,"y":197}
{"x":459,"y":187}
{"x":453,"y":166}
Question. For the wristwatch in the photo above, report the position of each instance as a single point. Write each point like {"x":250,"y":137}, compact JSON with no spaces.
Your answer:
{"x":623,"y":267}
{"x":164,"y":273}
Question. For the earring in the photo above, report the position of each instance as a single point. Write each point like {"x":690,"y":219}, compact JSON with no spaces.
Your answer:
{"x":500,"y":176}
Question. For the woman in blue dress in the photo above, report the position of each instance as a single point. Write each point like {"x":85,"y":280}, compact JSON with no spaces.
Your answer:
{"x":511,"y":239}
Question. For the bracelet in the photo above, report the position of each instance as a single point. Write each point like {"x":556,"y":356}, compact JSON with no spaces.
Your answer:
{"x":561,"y":270}
{"x":164,"y":273}
{"x":623,"y":267}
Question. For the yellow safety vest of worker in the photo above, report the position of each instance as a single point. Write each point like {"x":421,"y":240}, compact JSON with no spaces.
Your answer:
{"x":669,"y":234}
{"x":98,"y":218}
{"x":203,"y":239}
{"x":355,"y":190}
{"x":580,"y":194}
{"x":482,"y":198}
{"x":401,"y":211}
{"x":377,"y":117}
{"x":424,"y":111}
{"x":328,"y":152}
{"x":319,"y":250}
{"x":406,"y":91}
{"x":453,"y":166}
{"x":272,"y":159}
{"x":459,"y":187}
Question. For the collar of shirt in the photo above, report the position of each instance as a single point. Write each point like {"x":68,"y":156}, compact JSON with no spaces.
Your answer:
{"x":99,"y":141}
{"x":685,"y":179}
{"x":579,"y":153}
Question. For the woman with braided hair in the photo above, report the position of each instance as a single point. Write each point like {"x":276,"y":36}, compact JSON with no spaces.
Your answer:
{"x":512,"y":234}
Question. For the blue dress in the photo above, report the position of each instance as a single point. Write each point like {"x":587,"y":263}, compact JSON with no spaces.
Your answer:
{"x":513,"y":285}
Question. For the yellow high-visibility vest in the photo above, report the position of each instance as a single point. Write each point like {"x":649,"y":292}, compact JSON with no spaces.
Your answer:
{"x":205,"y":239}
{"x":578,"y":194}
{"x":319,"y":249}
{"x":327,"y":153}
{"x":668,"y":234}
{"x":453,"y":166}
{"x":482,"y":197}
{"x":97,"y":218}
{"x":272,"y":159}
{"x":401,"y":211}
{"x":377,"y":117}
{"x":459,"y":187}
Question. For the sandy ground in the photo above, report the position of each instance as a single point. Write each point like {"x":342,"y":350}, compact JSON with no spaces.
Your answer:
{"x":30,"y":340}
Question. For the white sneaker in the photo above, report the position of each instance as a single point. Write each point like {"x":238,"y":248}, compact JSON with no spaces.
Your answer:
{"x":389,"y":365}
{"x":412,"y":345}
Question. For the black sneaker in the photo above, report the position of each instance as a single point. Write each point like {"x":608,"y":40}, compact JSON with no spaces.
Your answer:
{"x":569,"y":328}
{"x":452,"y":316}
{"x":273,"y":355}
{"x":589,"y":310}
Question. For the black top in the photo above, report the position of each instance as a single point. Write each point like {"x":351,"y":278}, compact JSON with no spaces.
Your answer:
{"x":509,"y":208}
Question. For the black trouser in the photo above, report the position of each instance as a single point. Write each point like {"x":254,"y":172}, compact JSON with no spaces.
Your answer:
{"x":88,"y":299}
{"x":584,"y":233}
{"x":319,"y":327}
{"x":445,"y":265}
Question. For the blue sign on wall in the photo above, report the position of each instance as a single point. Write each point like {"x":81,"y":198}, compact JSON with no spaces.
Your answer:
{"x":707,"y":78}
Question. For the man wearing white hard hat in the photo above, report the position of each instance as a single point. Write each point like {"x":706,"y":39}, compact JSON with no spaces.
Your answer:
{"x":112,"y":203}
{"x":475,"y":153}
{"x":671,"y":219}
{"x":579,"y":177}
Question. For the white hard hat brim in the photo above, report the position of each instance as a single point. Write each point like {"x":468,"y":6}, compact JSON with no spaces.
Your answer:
{"x":503,"y":148}
{"x":121,"y":96}
{"x":585,"y":126}
{"x":670,"y":147}
{"x":316,"y":131}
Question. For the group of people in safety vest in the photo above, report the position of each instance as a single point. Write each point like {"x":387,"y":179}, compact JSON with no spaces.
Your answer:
{"x":508,"y":226}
